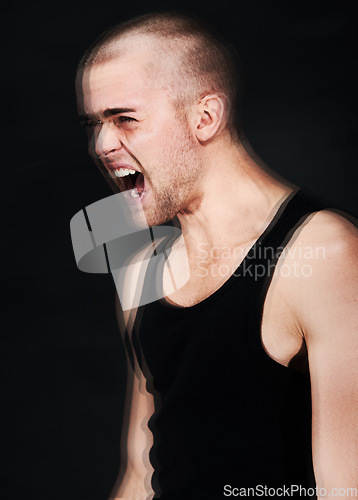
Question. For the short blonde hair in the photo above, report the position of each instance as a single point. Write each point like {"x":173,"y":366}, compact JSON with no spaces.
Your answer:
{"x":189,"y":56}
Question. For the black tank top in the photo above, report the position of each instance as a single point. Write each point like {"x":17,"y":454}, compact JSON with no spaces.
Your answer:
{"x":226,"y":414}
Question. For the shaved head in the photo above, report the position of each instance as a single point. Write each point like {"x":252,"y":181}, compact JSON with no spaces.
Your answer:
{"x":183,"y":56}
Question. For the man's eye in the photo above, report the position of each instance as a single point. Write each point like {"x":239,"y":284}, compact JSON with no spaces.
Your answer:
{"x":92,"y":123}
{"x":123,"y":119}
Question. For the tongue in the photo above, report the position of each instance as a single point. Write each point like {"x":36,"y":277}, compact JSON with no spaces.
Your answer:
{"x":139,"y":183}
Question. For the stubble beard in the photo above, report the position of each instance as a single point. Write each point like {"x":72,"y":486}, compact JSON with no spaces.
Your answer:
{"x":179,"y":174}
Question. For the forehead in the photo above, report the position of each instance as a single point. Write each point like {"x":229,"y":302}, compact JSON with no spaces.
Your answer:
{"x":124,"y":81}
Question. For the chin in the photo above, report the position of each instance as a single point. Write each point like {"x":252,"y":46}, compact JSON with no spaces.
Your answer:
{"x":156,"y":217}
{"x":156,"y":221}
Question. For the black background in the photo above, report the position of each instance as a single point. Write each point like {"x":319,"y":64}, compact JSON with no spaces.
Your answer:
{"x":62,"y":359}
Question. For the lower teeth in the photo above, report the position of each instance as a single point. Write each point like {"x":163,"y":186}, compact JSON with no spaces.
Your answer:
{"x":134,"y":193}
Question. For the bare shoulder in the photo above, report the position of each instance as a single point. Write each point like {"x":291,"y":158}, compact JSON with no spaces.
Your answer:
{"x":324,"y":287}
{"x":330,"y":240}
{"x":331,"y":228}
{"x":326,"y":241}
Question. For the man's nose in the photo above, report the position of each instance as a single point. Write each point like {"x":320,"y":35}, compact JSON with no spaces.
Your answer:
{"x":107,"y":140}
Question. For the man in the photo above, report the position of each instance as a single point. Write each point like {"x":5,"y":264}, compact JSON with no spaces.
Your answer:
{"x":220,"y":397}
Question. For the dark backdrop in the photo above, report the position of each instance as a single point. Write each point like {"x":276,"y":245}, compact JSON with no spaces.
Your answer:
{"x":62,"y":360}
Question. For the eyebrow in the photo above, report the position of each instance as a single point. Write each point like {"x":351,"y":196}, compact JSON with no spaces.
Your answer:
{"x":116,"y":111}
{"x":107,"y":113}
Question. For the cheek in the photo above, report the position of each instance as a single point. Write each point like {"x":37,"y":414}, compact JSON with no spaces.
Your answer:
{"x":150,"y":147}
{"x":159,"y":147}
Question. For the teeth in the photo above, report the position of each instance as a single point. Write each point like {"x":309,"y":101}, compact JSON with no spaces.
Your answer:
{"x":134,"y":193}
{"x":122,"y":172}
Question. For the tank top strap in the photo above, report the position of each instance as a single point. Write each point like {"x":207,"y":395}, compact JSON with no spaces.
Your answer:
{"x":266,"y":250}
{"x":292,"y":213}
{"x":263,"y":262}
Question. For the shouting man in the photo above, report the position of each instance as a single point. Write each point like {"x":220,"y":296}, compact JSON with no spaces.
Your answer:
{"x":245,"y":376}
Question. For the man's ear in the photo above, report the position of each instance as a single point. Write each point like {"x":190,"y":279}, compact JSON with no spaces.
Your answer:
{"x":211,"y":116}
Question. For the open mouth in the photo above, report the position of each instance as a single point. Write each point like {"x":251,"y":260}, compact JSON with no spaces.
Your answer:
{"x":129,"y":180}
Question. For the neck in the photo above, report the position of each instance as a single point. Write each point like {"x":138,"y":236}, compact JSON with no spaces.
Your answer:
{"x":235,"y":200}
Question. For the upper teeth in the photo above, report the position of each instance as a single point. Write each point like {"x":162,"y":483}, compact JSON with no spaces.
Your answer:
{"x":121,"y":172}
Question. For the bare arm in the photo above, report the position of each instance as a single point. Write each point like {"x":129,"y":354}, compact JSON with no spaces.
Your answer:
{"x":328,"y":311}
